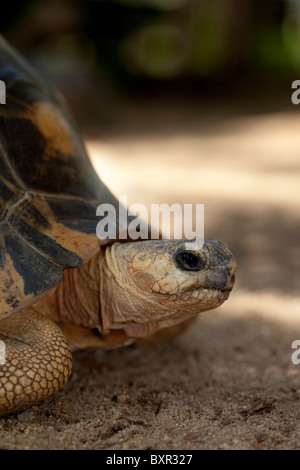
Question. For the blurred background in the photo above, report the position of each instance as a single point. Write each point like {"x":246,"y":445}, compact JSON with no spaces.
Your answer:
{"x":187,"y":101}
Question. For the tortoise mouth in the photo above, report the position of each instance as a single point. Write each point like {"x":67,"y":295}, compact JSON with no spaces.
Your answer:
{"x":195,"y":292}
{"x":201,"y":299}
{"x":206,"y":293}
{"x":213,"y":289}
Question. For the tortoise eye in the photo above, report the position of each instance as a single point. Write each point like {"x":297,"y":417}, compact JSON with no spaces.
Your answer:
{"x":188,"y":261}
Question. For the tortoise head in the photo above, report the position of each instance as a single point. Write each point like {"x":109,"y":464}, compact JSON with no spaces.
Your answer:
{"x":161,"y":280}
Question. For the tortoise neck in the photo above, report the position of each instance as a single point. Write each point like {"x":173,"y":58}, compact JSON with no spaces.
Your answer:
{"x":115,"y":295}
{"x":76,"y":299}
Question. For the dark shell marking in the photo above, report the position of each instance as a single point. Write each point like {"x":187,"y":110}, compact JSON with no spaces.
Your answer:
{"x":49,"y":190}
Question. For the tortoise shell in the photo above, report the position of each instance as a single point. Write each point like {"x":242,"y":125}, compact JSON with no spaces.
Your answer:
{"x":49,"y":190}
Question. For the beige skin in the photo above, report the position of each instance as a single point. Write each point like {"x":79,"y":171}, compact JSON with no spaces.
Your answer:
{"x":125,"y":292}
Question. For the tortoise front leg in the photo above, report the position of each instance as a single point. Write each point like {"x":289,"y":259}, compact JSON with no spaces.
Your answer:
{"x":37,"y":362}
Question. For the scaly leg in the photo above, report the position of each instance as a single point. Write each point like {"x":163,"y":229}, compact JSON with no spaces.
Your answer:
{"x":38,"y":361}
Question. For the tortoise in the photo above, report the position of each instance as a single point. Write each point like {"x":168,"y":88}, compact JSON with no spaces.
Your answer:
{"x":61,"y":287}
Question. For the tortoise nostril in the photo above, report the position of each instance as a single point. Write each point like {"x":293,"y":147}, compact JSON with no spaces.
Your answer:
{"x":188,"y":261}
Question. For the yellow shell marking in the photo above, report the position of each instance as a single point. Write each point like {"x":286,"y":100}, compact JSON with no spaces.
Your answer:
{"x":52,"y":125}
{"x":85,"y":245}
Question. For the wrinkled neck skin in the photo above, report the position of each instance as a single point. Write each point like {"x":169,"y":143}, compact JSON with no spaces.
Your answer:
{"x":75,"y":299}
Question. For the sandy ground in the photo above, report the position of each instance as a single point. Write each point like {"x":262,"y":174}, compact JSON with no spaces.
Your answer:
{"x":228,"y":382}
